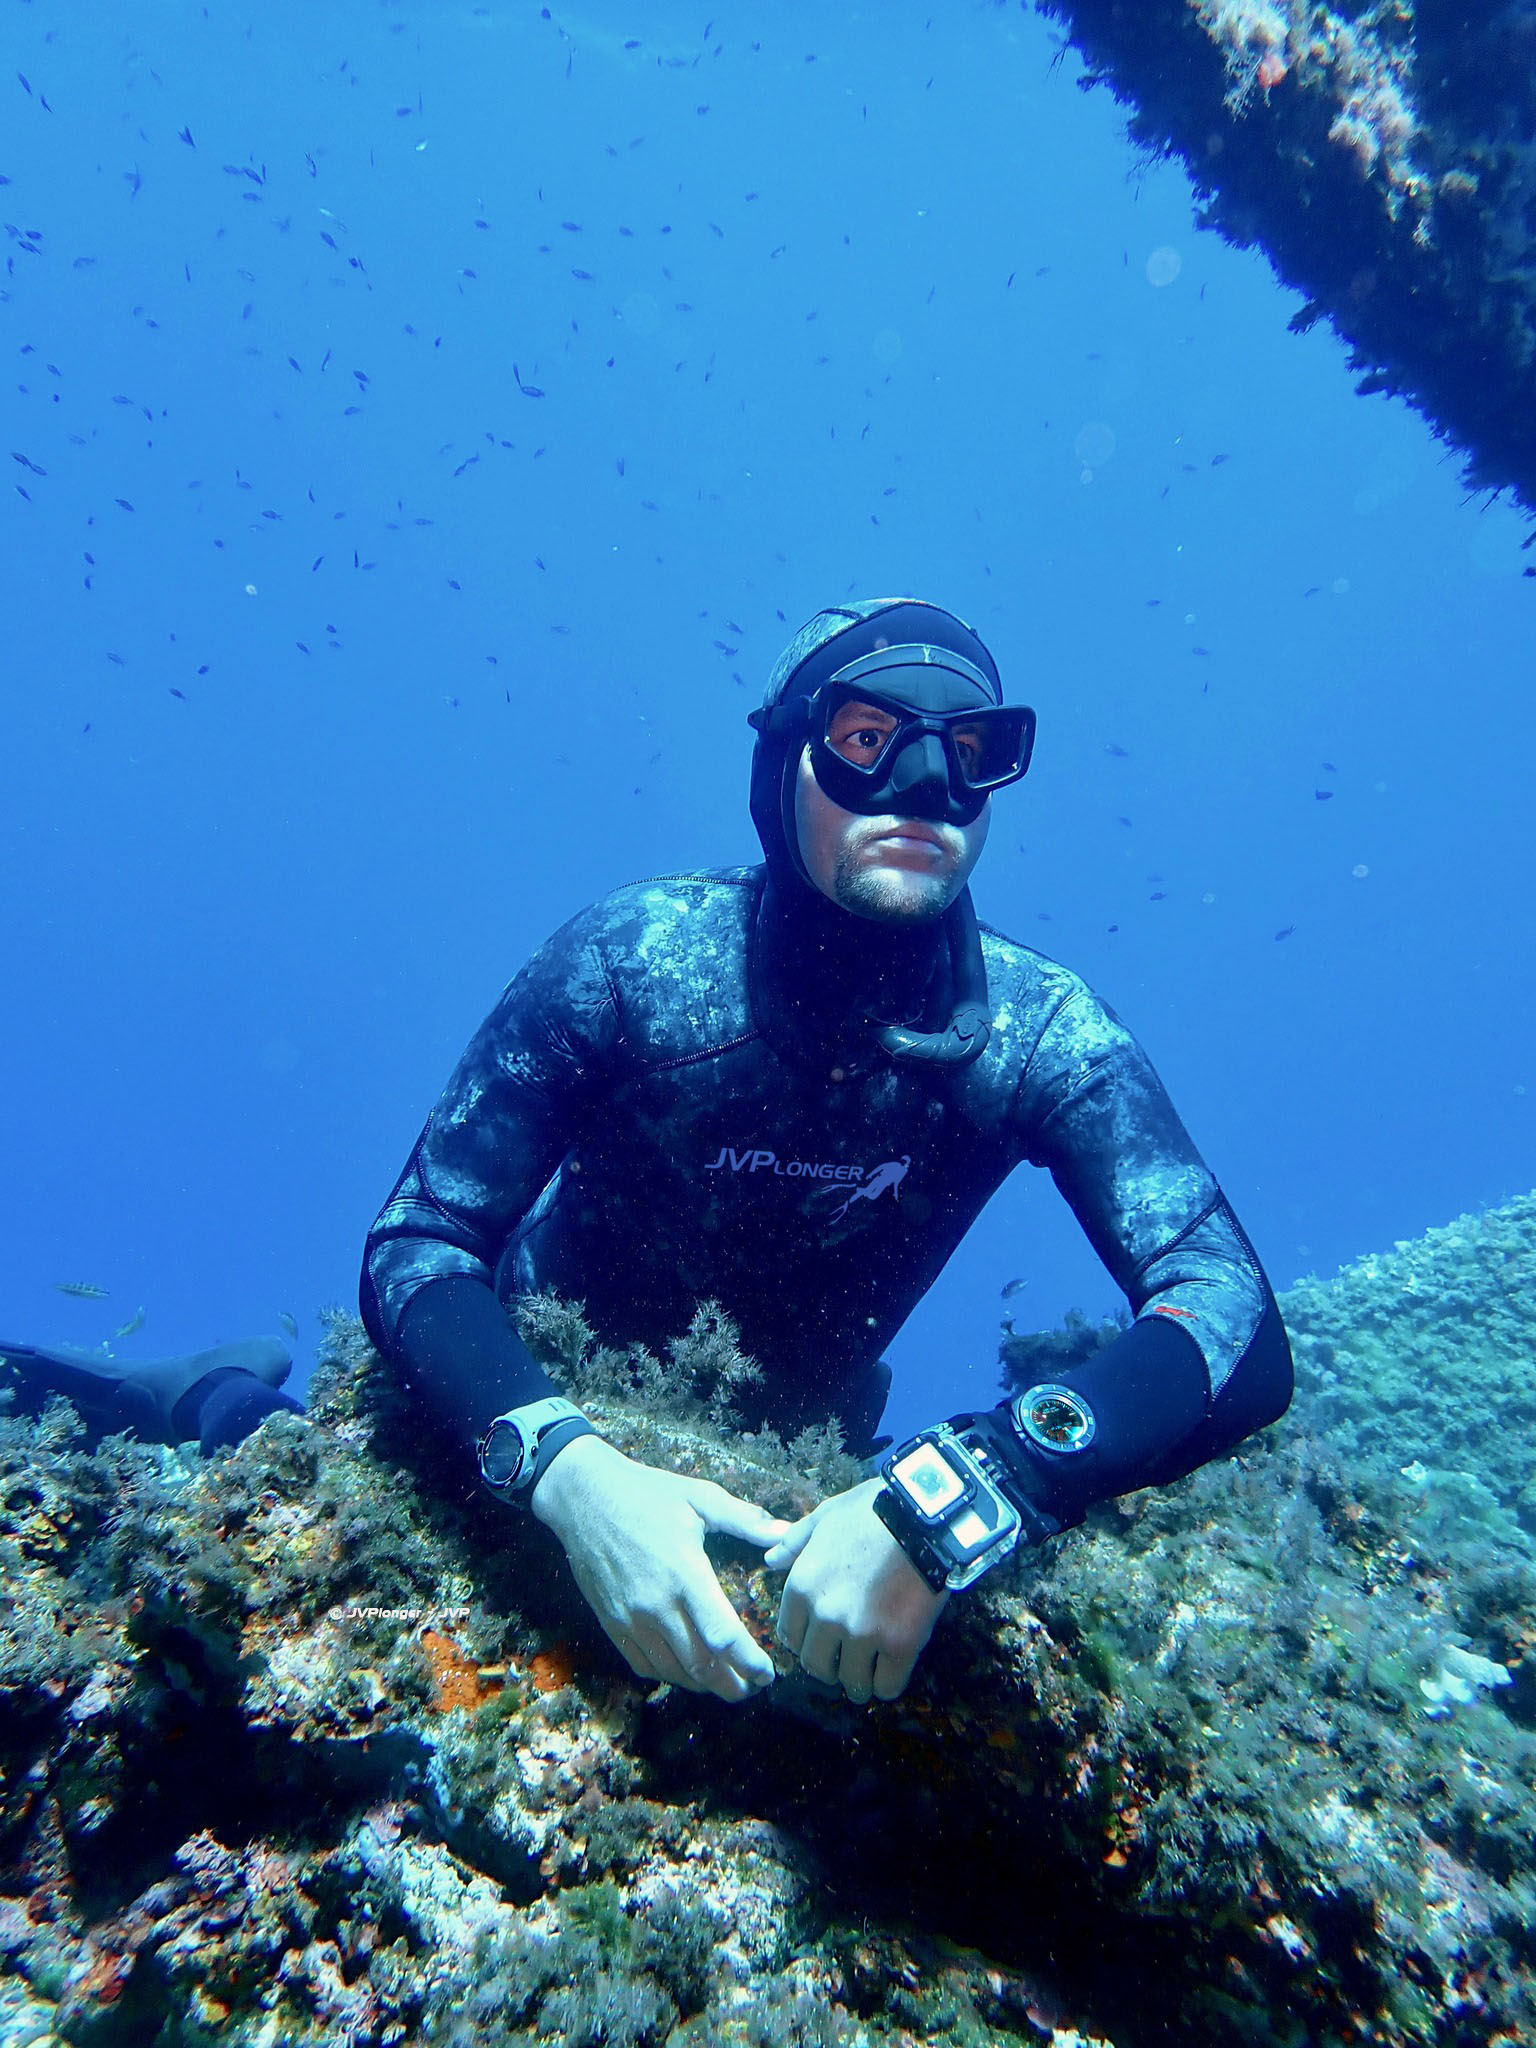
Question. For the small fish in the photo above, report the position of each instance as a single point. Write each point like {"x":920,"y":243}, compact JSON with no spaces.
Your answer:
{"x":1285,"y":931}
{"x":82,"y":1290}
{"x":288,"y":1322}
{"x":1323,"y":795}
{"x":135,"y":1322}
{"x":1121,"y":753}
{"x":1014,"y":1287}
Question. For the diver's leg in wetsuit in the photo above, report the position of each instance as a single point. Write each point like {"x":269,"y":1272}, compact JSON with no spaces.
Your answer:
{"x":217,"y":1396}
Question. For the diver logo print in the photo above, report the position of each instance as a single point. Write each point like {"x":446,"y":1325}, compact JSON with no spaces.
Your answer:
{"x":890,"y":1173}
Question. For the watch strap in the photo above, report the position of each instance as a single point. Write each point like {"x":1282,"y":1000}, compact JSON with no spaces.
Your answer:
{"x":919,"y":1552}
{"x":551,"y":1442}
{"x":1038,"y":1523}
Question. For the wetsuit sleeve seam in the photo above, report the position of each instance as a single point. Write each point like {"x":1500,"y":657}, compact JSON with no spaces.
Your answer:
{"x":686,"y":1059}
{"x":476,"y":1242}
{"x":1220,"y":1206}
{"x":1217,"y":1201}
{"x":709,"y":1052}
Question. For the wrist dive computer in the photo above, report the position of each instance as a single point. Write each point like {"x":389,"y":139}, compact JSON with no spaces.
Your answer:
{"x":519,"y":1446}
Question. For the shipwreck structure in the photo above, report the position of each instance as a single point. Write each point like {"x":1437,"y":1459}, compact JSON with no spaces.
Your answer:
{"x":1383,"y":156}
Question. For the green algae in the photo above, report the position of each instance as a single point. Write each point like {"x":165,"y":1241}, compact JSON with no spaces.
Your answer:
{"x":309,"y":1742}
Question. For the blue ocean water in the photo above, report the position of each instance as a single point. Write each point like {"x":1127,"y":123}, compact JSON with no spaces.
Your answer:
{"x":429,"y":422}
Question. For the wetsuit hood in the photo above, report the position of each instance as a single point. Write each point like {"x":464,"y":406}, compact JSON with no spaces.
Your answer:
{"x":933,"y":973}
{"x":825,"y":644}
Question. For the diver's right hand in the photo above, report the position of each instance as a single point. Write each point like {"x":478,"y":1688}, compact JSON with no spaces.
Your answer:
{"x":635,"y":1540}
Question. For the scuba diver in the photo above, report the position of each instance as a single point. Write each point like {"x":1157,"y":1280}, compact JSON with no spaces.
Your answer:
{"x":789,"y":1090}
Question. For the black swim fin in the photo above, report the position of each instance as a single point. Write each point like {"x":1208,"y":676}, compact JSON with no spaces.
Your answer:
{"x":141,"y":1394}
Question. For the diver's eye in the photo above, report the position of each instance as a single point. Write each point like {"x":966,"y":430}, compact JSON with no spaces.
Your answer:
{"x":968,"y":744}
{"x":859,"y":733}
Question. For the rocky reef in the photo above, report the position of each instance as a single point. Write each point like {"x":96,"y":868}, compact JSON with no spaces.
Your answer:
{"x":1383,"y":155}
{"x":306,"y":1743}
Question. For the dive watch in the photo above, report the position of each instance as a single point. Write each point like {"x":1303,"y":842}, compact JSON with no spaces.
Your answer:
{"x":517,"y":1448}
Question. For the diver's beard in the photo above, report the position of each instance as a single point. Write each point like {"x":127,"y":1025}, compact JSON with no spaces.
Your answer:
{"x":891,"y":896}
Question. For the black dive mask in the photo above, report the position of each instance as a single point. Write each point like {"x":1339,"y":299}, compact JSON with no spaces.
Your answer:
{"x":909,"y":732}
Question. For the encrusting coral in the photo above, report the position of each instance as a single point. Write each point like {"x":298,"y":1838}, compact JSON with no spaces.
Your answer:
{"x":1383,"y":155}
{"x":307,"y":1743}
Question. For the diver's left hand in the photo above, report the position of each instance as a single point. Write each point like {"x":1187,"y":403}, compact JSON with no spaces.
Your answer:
{"x":855,"y":1610}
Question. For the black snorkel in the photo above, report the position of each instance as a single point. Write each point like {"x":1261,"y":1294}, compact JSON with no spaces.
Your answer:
{"x":964,"y":1037}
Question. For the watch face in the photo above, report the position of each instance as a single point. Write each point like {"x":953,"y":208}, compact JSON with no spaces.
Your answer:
{"x":501,"y":1455}
{"x":1055,"y":1418}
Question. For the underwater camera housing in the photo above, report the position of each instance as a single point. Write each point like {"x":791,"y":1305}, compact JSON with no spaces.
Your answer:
{"x":952,"y":1503}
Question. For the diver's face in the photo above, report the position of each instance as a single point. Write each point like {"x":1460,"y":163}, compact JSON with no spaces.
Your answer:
{"x":896,"y":870}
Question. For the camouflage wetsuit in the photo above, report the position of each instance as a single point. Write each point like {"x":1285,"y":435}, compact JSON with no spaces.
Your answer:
{"x":676,"y":1099}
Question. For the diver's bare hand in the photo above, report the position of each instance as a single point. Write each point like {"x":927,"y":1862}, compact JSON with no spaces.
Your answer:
{"x":855,"y":1609}
{"x":635,"y":1540}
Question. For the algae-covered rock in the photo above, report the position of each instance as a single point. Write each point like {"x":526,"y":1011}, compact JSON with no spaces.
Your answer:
{"x":1381,"y":153}
{"x":307,"y":1742}
{"x":1443,"y":1330}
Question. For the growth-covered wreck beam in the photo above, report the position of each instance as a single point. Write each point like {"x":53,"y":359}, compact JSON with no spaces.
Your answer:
{"x":1384,"y":158}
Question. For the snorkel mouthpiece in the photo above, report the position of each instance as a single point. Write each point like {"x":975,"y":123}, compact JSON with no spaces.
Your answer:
{"x":963,"y":1039}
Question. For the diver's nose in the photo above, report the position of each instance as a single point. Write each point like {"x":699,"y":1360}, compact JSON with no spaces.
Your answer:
{"x":920,"y":780}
